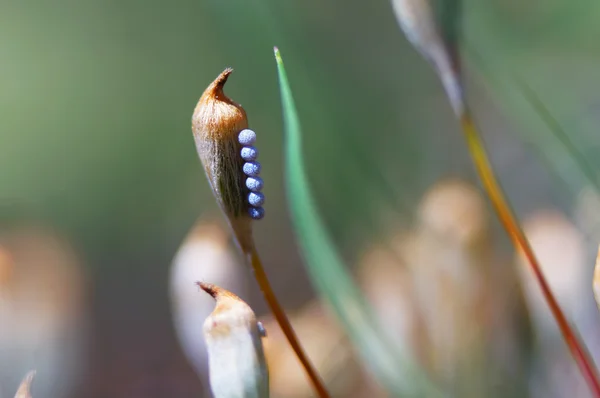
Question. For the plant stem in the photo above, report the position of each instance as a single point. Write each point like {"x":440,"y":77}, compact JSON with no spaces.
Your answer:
{"x":284,"y":323}
{"x":511,"y":225}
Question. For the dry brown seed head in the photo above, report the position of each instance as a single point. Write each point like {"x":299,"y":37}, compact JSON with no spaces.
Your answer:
{"x":236,"y":359}
{"x":216,"y":122}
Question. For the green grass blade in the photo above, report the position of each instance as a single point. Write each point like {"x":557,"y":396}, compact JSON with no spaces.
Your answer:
{"x":391,"y":365}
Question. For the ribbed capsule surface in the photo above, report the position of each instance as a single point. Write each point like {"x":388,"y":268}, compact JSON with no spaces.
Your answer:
{"x":236,"y":359}
{"x":216,"y":123}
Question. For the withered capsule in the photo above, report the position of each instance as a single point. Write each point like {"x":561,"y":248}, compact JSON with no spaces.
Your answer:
{"x":216,"y":123}
{"x":233,"y":338}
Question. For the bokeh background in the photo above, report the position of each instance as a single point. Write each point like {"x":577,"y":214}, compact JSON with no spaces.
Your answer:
{"x":100,"y":182}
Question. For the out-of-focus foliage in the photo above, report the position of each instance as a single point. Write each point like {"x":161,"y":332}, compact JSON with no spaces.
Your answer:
{"x":331,"y":278}
{"x":95,"y":105}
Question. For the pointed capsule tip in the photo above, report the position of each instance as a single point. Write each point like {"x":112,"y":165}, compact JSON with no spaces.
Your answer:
{"x":209,"y":288}
{"x":222,"y":78}
{"x":217,"y":292}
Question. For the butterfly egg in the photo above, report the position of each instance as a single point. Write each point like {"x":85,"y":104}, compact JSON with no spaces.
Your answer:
{"x":249,"y":153}
{"x":256,"y":212}
{"x":256,"y":198}
{"x":247,"y":137}
{"x":251,"y":169}
{"x":254,"y":184}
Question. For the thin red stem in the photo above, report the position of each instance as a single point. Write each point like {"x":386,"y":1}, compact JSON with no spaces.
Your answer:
{"x":286,"y":326}
{"x":511,"y":225}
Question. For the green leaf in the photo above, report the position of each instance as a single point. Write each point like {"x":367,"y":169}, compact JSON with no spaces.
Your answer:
{"x":391,"y":365}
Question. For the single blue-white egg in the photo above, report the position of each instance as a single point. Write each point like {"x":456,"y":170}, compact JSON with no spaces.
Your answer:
{"x":256,"y":212}
{"x":249,"y":153}
{"x":247,"y":137}
{"x":254,"y":184}
{"x":256,"y":198}
{"x":251,"y":169}
{"x":261,"y":329}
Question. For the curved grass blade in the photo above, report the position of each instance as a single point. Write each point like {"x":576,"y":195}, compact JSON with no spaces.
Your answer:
{"x":390,"y":364}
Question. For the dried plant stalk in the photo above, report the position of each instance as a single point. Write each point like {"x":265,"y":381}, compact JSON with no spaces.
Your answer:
{"x":24,"y":390}
{"x":237,"y":365}
{"x":434,"y":31}
{"x":216,"y":123}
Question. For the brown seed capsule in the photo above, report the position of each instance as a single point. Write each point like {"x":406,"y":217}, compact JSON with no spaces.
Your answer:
{"x":216,"y":122}
{"x":24,"y":390}
{"x":236,"y":359}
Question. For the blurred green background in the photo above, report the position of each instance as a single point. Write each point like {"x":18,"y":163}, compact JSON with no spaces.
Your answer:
{"x":95,"y":140}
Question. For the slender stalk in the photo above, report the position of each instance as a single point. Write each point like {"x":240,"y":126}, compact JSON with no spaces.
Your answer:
{"x":434,"y":28}
{"x":511,"y":225}
{"x":284,"y":323}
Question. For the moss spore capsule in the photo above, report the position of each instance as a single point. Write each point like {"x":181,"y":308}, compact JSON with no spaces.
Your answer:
{"x":216,"y":123}
{"x":233,"y":338}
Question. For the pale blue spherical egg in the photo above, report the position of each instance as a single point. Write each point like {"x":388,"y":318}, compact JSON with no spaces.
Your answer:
{"x":247,"y":137}
{"x":256,"y":198}
{"x":256,"y":212}
{"x":251,"y":169}
{"x":254,"y":183}
{"x":249,"y":153}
